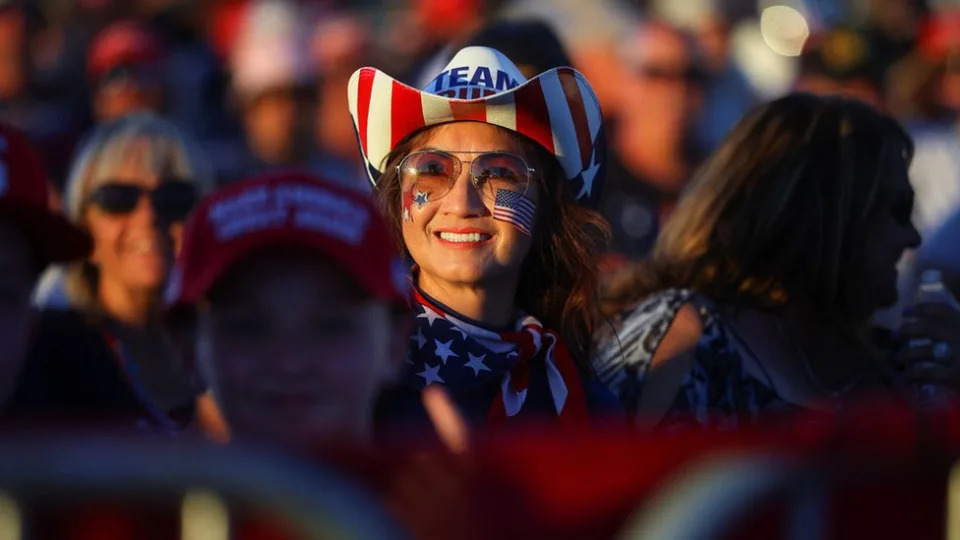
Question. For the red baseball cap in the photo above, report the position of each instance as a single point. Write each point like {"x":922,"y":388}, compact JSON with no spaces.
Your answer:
{"x":293,"y":209}
{"x":25,"y":201}
{"x":122,"y":43}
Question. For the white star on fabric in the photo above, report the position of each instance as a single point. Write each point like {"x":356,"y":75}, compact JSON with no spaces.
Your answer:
{"x":430,"y":315}
{"x":431,"y":375}
{"x":419,"y":338}
{"x":511,"y":354}
{"x":443,"y":351}
{"x":588,"y":175}
{"x":476,"y":364}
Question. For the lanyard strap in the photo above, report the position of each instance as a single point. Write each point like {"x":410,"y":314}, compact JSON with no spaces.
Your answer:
{"x":131,"y":373}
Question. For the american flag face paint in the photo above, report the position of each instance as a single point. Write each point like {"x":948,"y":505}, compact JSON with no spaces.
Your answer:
{"x":516,"y":209}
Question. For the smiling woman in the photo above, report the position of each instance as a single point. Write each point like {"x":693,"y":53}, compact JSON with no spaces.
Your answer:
{"x":491,"y":197}
{"x":131,"y":187}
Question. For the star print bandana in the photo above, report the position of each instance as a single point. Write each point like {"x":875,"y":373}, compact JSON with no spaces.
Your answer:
{"x":461,"y":356}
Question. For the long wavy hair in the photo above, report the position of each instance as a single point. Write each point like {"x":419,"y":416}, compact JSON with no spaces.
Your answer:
{"x":559,"y":279}
{"x":778,"y":215}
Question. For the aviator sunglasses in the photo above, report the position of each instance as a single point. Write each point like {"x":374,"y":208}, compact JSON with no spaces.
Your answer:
{"x":171,"y":200}
{"x":434,"y":172}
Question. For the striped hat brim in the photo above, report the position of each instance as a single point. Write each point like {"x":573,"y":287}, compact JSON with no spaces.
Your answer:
{"x":556,"y":109}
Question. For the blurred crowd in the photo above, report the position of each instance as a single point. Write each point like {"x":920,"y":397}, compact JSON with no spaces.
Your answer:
{"x":731,"y":259}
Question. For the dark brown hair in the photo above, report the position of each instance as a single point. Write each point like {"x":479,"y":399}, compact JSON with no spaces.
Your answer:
{"x":559,"y":280}
{"x":779,"y":213}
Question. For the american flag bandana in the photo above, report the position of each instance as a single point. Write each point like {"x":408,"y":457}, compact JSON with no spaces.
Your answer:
{"x":447,"y":350}
{"x":514,"y":208}
{"x":557,"y":109}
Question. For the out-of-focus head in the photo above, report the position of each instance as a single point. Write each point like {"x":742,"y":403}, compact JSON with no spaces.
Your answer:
{"x":806,"y":202}
{"x":13,"y":52}
{"x":124,"y":65}
{"x":270,"y":68}
{"x":297,"y":300}
{"x":31,"y":235}
{"x":662,"y":89}
{"x":843,"y":61}
{"x":530,"y":43}
{"x":131,"y":186}
{"x":592,"y":33}
{"x":480,"y":173}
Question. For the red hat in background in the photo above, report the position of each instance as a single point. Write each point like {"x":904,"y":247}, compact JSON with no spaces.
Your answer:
{"x":25,"y":201}
{"x":122,"y":43}
{"x":291,"y":209}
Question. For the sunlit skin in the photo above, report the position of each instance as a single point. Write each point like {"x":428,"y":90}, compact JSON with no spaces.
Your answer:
{"x":132,"y":252}
{"x":295,"y":353}
{"x":18,"y":271}
{"x":477,"y":279}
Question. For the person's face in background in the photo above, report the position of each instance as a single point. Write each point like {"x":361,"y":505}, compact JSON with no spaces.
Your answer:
{"x":271,"y":123}
{"x":133,"y":250}
{"x":13,"y":57}
{"x":339,"y":48}
{"x":124,"y":91}
{"x":294,"y":352}
{"x":660,"y":97}
{"x":18,"y":272}
{"x":890,"y":231}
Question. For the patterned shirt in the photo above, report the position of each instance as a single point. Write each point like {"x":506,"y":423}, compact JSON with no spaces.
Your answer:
{"x":717,"y":392}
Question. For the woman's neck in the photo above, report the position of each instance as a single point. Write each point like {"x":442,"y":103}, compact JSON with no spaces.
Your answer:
{"x":491,"y":304}
{"x":132,"y":308}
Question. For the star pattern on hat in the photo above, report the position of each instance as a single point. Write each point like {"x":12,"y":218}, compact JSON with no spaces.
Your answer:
{"x":443,"y":351}
{"x":431,"y":374}
{"x":476,"y":364}
{"x":420,"y":198}
{"x":587,"y":176}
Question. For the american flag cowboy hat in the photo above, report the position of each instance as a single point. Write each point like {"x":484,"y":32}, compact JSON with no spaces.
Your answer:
{"x":557,"y":109}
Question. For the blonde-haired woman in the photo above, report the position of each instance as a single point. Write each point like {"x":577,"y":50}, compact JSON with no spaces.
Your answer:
{"x":107,"y":356}
{"x":758,"y":295}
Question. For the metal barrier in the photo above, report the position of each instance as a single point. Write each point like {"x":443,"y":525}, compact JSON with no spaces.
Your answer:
{"x":707,"y":498}
{"x":312,"y":500}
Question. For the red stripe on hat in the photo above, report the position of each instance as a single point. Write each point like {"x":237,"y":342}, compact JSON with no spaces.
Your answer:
{"x":568,"y":81}
{"x":364,"y":91}
{"x":533,"y":119}
{"x":469,"y":110}
{"x":407,"y":111}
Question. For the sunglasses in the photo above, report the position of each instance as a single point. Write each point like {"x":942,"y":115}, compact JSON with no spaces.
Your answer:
{"x":434,"y":172}
{"x":171,"y":200}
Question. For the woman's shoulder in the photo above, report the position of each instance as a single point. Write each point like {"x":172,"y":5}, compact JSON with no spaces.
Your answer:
{"x":638,"y":330}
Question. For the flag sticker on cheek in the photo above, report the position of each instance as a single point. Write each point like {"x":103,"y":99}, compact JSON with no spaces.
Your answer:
{"x":514,"y":208}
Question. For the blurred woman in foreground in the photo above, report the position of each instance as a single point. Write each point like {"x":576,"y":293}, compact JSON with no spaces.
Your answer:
{"x":107,"y":356}
{"x":758,"y":294}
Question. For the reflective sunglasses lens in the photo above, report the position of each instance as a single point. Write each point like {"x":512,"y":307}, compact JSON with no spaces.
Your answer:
{"x":174,"y":199}
{"x":495,"y":171}
{"x":115,"y":198}
{"x":428,"y":172}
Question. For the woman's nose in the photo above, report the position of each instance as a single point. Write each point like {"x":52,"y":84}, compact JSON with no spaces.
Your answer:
{"x":464,"y":199}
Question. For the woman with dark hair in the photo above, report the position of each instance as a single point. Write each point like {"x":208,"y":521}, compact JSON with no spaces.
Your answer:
{"x":758,"y":294}
{"x":481,"y":174}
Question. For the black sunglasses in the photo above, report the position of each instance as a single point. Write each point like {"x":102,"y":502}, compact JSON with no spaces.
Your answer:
{"x":171,"y":200}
